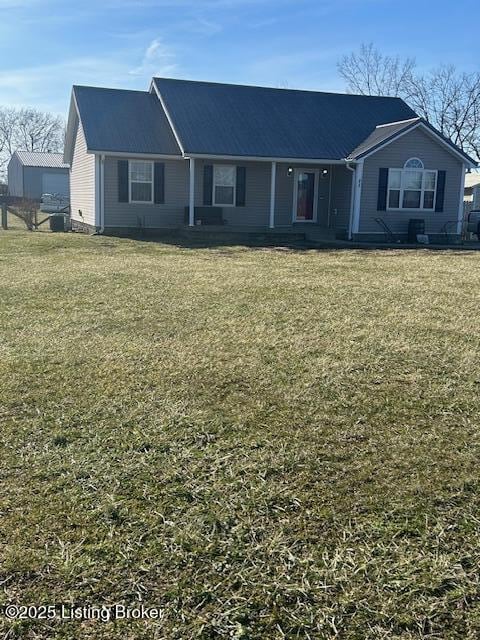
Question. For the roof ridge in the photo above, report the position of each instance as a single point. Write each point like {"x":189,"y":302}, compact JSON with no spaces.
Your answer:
{"x":390,"y":124}
{"x":49,"y":153}
{"x":87,"y":86}
{"x":280,"y":89}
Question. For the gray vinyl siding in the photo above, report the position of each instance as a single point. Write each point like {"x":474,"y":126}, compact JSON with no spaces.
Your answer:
{"x":333,"y":196}
{"x":333,"y":206}
{"x":15,"y":176}
{"x":33,"y":180}
{"x":284,"y":195}
{"x":341,"y":197}
{"x":170,"y":214}
{"x":256,"y":212}
{"x":415,"y":144}
{"x":82,"y":182}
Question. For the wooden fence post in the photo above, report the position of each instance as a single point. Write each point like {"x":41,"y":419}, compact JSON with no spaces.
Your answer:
{"x":4,"y":216}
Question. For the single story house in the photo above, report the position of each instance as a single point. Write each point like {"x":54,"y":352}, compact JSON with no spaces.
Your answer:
{"x":32,"y":173}
{"x":185,"y":153}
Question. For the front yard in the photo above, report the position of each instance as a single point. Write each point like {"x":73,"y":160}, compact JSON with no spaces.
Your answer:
{"x":262,"y":443}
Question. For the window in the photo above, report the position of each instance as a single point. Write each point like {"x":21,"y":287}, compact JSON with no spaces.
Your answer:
{"x":412,"y":187}
{"x":414,"y":163}
{"x":224,"y":185}
{"x":140,"y":181}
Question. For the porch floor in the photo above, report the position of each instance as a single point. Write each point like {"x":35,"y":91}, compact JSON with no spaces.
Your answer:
{"x":288,"y":236}
{"x":305,"y":232}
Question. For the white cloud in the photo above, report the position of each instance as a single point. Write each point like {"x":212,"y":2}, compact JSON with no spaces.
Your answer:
{"x":204,"y":27}
{"x":158,"y":59}
{"x":48,"y":86}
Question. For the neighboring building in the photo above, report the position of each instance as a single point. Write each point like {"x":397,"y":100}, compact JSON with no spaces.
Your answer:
{"x":472,"y":190}
{"x":31,"y":174}
{"x":255,"y":158}
{"x":476,"y":197}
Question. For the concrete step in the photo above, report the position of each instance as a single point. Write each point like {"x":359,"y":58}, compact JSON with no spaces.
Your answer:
{"x":251,"y":237}
{"x":319,"y":233}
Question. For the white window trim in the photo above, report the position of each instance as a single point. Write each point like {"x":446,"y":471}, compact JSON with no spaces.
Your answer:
{"x":151,"y":182}
{"x":421,"y":168}
{"x":214,"y":202}
{"x":315,"y":195}
{"x":422,"y":190}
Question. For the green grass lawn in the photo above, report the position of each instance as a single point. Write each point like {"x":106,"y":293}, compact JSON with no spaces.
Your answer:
{"x":263,"y":443}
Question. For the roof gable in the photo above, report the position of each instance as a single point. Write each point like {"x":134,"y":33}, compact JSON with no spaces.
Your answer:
{"x":235,"y":120}
{"x":117,"y":120}
{"x":383,"y":135}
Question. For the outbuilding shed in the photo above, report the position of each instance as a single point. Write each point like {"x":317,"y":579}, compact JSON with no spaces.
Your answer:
{"x":31,"y":174}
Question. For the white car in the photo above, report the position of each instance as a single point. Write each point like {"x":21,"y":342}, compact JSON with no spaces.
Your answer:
{"x":54,"y":203}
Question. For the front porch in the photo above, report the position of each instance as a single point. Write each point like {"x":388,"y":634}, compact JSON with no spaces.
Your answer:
{"x":303,"y":198}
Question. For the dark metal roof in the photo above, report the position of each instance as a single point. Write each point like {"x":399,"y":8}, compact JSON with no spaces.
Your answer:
{"x":234,"y":120}
{"x":382,"y":134}
{"x":42,"y":159}
{"x":385,"y":133}
{"x":124,"y":121}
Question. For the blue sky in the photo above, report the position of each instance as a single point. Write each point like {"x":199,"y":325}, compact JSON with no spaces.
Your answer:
{"x":48,"y":45}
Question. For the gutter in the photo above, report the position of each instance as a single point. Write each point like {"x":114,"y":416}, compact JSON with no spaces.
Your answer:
{"x":299,"y":161}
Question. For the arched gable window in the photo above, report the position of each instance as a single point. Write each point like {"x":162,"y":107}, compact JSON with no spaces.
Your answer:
{"x":412,"y":187}
{"x":413,"y":163}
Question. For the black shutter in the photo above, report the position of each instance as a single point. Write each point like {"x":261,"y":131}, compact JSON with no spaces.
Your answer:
{"x":241,"y":185}
{"x":159,"y":183}
{"x":207,"y":184}
{"x":382,"y":190}
{"x":440,"y":191}
{"x":122,"y":180}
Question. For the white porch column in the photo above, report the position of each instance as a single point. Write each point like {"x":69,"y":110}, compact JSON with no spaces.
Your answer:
{"x":273,"y":184}
{"x":191,"y":205}
{"x":358,"y":196}
{"x":461,"y":205}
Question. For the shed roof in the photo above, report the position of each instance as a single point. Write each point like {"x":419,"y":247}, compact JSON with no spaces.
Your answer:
{"x":42,"y":159}
{"x":120,"y":120}
{"x":236,"y":120}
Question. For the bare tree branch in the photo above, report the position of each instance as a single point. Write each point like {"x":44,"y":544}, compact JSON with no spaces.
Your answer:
{"x":28,"y":130}
{"x":369,"y":72}
{"x":446,"y":98}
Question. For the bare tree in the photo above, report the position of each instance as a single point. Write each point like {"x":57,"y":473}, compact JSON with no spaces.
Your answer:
{"x":39,"y":131}
{"x":369,"y":72}
{"x":450,"y":100}
{"x":8,"y":127}
{"x":28,"y":130}
{"x":445,"y":97}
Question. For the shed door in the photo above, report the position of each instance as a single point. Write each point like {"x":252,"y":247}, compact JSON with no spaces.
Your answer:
{"x":55,"y":183}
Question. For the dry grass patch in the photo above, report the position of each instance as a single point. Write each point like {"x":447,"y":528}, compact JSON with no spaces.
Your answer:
{"x":265,"y":444}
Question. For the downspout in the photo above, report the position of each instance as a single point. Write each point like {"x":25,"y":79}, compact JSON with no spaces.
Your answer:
{"x":99,"y":195}
{"x":102,"y":195}
{"x":352,"y":199}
